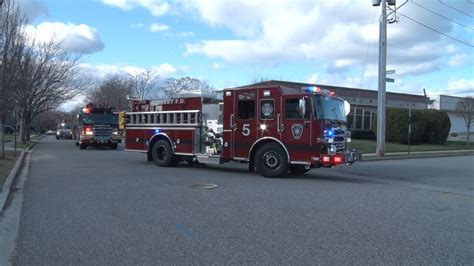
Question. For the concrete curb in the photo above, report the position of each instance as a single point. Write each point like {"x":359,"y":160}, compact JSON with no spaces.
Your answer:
{"x":417,"y":155}
{"x":10,"y":181}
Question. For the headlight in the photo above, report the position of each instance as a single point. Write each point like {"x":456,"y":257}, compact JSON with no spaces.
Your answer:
{"x":332,"y":149}
{"x":115,"y":132}
{"x":58,"y":133}
{"x":328,"y":133}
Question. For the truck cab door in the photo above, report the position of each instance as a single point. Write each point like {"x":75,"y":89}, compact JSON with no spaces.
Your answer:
{"x":296,"y":128}
{"x":245,"y":128}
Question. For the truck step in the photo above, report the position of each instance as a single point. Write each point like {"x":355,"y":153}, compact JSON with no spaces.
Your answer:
{"x":209,"y":159}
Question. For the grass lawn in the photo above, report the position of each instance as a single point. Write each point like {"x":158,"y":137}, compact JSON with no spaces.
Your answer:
{"x":7,"y":164}
{"x":368,"y":146}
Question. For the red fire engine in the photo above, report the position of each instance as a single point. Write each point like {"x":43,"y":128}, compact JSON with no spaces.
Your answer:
{"x":275,"y":129}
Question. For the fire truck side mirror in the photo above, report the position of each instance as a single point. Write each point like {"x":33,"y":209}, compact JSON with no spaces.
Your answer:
{"x":302,"y":107}
{"x":121,"y":120}
{"x":347,"y":107}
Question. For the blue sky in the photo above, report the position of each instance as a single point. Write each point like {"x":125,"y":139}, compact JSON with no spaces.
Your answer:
{"x":230,"y":43}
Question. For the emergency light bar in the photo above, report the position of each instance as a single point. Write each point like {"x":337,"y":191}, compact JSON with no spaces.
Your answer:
{"x":316,"y":89}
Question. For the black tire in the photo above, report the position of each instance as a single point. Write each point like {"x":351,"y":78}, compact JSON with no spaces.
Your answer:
{"x":82,"y":146}
{"x":271,"y":160}
{"x":113,"y":146}
{"x":298,"y":169}
{"x":76,"y":142}
{"x":163,"y":154}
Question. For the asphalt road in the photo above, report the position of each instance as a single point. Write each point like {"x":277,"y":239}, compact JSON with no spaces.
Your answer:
{"x":100,"y":206}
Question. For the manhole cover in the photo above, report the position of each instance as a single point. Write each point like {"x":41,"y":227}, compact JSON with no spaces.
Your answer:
{"x":204,"y":186}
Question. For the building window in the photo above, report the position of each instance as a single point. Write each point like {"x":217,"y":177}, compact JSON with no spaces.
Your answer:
{"x":367,"y":116}
{"x":350,"y":119}
{"x":358,"y":118}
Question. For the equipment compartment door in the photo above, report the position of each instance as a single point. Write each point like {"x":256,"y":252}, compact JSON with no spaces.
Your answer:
{"x":296,"y":128}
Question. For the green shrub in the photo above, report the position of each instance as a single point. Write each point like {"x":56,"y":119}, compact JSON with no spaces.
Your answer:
{"x":437,"y":126}
{"x":428,"y":126}
{"x":363,"y":134}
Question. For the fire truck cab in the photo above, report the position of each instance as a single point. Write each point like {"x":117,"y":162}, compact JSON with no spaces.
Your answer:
{"x":275,"y":129}
{"x":97,"y":126}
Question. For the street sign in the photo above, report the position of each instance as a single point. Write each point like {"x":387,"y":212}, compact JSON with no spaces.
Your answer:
{"x":389,"y":72}
{"x":390,"y":80}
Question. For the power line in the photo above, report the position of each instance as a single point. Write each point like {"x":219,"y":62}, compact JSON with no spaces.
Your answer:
{"x":458,"y":10}
{"x":416,"y":51}
{"x":435,"y":30}
{"x":436,"y":13}
{"x":366,"y":54}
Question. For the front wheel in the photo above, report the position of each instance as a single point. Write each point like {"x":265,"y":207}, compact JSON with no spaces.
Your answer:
{"x":271,"y":160}
{"x":162,"y":154}
{"x":113,"y":146}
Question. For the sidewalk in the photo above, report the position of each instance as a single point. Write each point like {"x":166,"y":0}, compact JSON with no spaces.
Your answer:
{"x":416,"y":154}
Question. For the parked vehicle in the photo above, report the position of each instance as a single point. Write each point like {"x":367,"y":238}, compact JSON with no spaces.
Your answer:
{"x":275,"y":129}
{"x":50,"y":132}
{"x":9,"y":129}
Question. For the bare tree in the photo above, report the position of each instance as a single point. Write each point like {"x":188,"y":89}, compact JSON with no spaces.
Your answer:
{"x":145,"y":84}
{"x":174,"y":86}
{"x":465,"y":110}
{"x":114,"y":90}
{"x":48,"y":77}
{"x":12,"y":45}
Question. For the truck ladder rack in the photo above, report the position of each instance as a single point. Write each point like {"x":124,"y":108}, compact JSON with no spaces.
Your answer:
{"x":182,"y":118}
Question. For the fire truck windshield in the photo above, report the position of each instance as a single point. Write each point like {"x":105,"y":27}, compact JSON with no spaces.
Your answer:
{"x":107,"y":118}
{"x":330,"y":108}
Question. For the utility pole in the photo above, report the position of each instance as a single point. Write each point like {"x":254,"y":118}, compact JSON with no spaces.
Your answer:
{"x":380,"y":151}
{"x":381,"y":97}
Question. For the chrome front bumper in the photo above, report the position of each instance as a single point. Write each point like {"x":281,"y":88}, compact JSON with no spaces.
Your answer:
{"x":351,"y":157}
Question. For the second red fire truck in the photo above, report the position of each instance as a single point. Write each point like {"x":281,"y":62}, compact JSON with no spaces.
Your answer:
{"x":276,"y":129}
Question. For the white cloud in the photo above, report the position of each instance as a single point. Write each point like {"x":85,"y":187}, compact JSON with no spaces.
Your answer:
{"x":313,"y":78}
{"x":100,"y":72}
{"x":156,"y":27}
{"x":217,"y":66}
{"x":186,"y":34}
{"x":165,"y":69}
{"x":138,"y":25}
{"x":458,"y":59}
{"x":76,"y":38}
{"x":155,"y":7}
{"x":33,"y":9}
{"x":461,"y":87}
{"x":342,"y":34}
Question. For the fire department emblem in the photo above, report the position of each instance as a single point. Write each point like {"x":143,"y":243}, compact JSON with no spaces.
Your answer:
{"x":267,"y":110}
{"x":297,"y":130}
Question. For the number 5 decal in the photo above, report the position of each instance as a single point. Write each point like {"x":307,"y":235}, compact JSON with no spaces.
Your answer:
{"x":246,"y":129}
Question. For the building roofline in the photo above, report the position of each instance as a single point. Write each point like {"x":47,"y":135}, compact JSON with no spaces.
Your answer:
{"x":281,"y":82}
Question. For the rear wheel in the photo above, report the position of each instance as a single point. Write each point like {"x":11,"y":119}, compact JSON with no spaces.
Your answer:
{"x":271,"y":160}
{"x":113,"y":146}
{"x":162,"y":154}
{"x":82,"y":146}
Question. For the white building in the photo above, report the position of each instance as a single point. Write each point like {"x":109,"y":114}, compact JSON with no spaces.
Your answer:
{"x":458,"y":126}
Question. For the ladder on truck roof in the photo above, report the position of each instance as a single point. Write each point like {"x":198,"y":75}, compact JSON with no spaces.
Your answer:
{"x":181,"y":118}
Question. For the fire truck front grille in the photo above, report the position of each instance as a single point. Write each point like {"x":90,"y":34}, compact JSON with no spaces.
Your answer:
{"x":339,"y":139}
{"x":102,"y":131}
